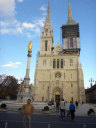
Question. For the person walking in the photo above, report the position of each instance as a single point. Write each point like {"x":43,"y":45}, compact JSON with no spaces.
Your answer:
{"x":72,"y":110}
{"x":62,"y":108}
{"x":57,"y":105}
{"x":27,"y":111}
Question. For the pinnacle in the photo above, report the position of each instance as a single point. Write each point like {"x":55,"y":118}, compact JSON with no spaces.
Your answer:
{"x":48,"y":20}
{"x":70,"y":20}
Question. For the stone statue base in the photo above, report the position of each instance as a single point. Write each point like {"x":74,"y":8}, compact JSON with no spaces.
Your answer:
{"x":23,"y":96}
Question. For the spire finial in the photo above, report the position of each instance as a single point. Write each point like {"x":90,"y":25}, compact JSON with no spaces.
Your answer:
{"x":48,"y":14}
{"x":70,"y":20}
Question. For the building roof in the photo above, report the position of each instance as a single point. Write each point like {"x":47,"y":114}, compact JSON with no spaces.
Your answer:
{"x":90,"y":89}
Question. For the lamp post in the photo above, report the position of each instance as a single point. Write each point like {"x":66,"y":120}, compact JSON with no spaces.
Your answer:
{"x":91,"y":82}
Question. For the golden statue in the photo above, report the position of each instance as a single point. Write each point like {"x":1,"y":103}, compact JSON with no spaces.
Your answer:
{"x":31,"y":87}
{"x":22,"y":86}
{"x":30,"y":46}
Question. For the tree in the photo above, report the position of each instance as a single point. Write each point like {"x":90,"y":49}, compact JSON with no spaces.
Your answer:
{"x":9,"y":87}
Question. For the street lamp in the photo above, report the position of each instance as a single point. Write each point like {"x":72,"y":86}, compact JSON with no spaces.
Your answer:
{"x":91,"y":82}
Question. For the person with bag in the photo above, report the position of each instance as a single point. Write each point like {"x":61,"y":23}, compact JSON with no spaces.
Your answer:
{"x":72,"y":110}
{"x":27,"y":111}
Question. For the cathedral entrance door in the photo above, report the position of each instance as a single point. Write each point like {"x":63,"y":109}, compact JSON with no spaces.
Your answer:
{"x":57,"y":97}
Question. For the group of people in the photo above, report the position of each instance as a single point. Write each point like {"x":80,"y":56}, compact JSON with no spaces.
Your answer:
{"x":28,"y":109}
{"x":63,"y":107}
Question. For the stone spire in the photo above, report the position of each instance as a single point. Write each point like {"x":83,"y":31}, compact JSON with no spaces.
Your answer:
{"x":70,"y":20}
{"x":47,"y":35}
{"x":48,"y":20}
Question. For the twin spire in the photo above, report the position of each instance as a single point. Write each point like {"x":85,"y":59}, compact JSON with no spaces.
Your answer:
{"x":70,"y":20}
{"x":48,"y":20}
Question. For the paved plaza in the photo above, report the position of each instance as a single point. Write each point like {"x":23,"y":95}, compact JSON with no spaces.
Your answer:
{"x":14,"y":119}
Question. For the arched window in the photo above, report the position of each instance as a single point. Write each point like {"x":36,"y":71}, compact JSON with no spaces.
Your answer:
{"x":54,"y":63}
{"x":46,"y":45}
{"x":61,"y":63}
{"x":43,"y":86}
{"x":42,"y":33}
{"x":71,"y":76}
{"x":57,"y":63}
{"x":44,"y":62}
{"x":71,"y":85}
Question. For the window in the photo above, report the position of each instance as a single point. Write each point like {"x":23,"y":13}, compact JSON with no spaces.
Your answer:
{"x":71,"y":62}
{"x":43,"y":86}
{"x":46,"y":45}
{"x":58,"y":75}
{"x":44,"y":62}
{"x":57,"y":63}
{"x":61,"y":63}
{"x":71,"y":76}
{"x":42,"y":33}
{"x":71,"y":85}
{"x":46,"y":30}
{"x":42,"y":98}
{"x":71,"y":42}
{"x":54,"y":63}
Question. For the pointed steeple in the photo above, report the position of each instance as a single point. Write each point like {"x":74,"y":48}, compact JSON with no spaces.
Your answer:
{"x":47,"y":36}
{"x":70,"y":20}
{"x":48,"y":20}
{"x":48,"y":13}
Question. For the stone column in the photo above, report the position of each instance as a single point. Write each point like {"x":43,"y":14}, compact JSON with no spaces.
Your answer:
{"x":27,"y":78}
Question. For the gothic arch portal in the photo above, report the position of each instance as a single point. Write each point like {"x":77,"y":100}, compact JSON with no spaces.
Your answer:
{"x":57,"y":93}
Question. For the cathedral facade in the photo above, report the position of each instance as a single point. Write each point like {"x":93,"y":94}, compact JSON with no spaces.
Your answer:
{"x":58,"y":72}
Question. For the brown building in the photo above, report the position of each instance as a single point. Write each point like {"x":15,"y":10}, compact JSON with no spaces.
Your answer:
{"x":91,"y":94}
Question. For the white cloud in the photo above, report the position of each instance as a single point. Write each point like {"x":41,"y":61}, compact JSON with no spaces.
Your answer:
{"x":18,"y":63}
{"x":43,"y":8}
{"x":20,"y":0}
{"x":10,"y":25}
{"x":7,"y":8}
{"x":11,"y":64}
{"x":28,"y":25}
{"x":11,"y":30}
{"x":40,"y":21}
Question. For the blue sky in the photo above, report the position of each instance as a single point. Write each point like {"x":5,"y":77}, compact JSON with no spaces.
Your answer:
{"x":21,"y":21}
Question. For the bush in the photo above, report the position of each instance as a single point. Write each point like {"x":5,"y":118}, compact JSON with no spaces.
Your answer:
{"x":46,"y":108}
{"x":91,"y":111}
{"x":19,"y":109}
{"x":3,"y":105}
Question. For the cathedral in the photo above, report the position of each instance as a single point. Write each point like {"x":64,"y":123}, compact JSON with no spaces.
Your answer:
{"x":58,"y":72}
